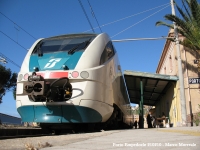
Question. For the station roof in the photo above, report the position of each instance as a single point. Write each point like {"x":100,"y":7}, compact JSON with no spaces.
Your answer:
{"x":154,"y":86}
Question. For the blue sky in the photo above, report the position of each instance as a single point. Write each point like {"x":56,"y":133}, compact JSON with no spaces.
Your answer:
{"x":44,"y":18}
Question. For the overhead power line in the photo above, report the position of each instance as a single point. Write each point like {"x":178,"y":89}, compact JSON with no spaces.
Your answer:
{"x":14,"y":40}
{"x":6,"y":58}
{"x":140,"y":39}
{"x":18,"y":25}
{"x":128,"y":17}
{"x":86,"y":15}
{"x":139,"y":21}
{"x":94,"y":16}
{"x":3,"y":60}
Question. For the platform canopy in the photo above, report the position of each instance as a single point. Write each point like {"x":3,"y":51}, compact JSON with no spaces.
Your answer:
{"x":154,"y":86}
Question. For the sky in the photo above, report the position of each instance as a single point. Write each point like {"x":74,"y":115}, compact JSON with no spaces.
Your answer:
{"x":22,"y":22}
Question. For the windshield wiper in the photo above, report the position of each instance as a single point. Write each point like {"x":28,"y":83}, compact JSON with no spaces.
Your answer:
{"x":71,"y":51}
{"x":38,"y":49}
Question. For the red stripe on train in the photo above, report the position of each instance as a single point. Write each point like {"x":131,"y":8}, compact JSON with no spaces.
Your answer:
{"x":50,"y":75}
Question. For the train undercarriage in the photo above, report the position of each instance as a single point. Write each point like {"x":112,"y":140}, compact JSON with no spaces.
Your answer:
{"x":113,"y":123}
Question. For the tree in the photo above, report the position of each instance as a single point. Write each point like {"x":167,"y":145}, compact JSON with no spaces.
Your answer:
{"x":7,"y":81}
{"x":188,"y":25}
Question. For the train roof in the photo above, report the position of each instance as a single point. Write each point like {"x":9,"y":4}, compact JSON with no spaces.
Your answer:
{"x":72,"y":35}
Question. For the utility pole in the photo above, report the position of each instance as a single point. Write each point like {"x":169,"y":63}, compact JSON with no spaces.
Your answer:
{"x":141,"y":106}
{"x":180,"y":72}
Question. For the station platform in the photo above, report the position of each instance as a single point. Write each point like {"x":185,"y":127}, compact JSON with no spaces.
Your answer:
{"x":153,"y":138}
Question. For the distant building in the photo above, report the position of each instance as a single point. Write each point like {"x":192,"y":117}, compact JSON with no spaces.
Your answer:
{"x":7,"y":119}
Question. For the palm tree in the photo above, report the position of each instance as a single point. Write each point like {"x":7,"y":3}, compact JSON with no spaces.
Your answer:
{"x":188,"y":25}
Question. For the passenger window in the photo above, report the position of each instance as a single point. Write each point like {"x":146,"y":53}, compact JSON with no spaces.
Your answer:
{"x":107,"y":53}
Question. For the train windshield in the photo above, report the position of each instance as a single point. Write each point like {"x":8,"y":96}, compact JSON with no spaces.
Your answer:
{"x":69,"y":44}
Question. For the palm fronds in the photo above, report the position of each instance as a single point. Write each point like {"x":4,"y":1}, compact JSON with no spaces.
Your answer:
{"x":188,"y":24}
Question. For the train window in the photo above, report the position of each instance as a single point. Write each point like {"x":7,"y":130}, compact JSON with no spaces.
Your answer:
{"x":107,"y":53}
{"x":62,"y":44}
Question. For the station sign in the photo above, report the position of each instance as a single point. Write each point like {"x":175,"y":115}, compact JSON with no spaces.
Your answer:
{"x":194,"y":81}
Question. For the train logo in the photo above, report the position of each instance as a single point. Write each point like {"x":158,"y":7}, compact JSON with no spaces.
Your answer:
{"x":52,"y":63}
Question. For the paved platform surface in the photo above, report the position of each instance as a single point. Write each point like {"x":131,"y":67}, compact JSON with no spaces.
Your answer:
{"x":183,"y":138}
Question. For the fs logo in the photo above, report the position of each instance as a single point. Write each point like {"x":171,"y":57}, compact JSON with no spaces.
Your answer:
{"x":52,"y":63}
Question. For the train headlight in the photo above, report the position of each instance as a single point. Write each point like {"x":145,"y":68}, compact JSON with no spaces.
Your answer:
{"x":35,"y":69}
{"x":20,"y":77}
{"x":75,"y":74}
{"x":84,"y":74}
{"x":26,"y":76}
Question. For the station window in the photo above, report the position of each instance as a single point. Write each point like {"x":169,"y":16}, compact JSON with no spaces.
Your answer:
{"x":107,"y":53}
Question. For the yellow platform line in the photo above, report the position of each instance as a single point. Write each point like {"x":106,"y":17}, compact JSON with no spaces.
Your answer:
{"x":194,"y":133}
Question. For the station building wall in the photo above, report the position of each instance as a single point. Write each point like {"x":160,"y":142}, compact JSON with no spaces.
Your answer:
{"x":168,"y":64}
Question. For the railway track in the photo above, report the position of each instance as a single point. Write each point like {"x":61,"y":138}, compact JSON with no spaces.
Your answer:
{"x":11,"y":133}
{"x":16,"y":132}
{"x":23,"y":136}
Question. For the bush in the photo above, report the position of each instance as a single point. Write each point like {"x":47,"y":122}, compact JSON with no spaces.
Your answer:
{"x":197,"y":118}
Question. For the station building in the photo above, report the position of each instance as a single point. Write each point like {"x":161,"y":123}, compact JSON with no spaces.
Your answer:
{"x":161,"y":90}
{"x":168,"y":65}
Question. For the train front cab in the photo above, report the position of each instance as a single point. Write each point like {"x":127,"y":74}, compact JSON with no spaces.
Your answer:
{"x":92,"y":97}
